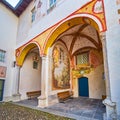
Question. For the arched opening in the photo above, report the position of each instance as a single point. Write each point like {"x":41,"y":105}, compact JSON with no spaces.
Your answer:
{"x":69,"y":23}
{"x":30,"y":72}
{"x":21,"y":56}
{"x":82,"y":42}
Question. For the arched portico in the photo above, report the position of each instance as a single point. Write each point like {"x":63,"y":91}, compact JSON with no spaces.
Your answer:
{"x":58,"y":34}
{"x":26,"y":58}
{"x":93,"y":19}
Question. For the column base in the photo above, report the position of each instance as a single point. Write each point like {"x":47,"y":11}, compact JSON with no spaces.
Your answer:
{"x":110,"y":110}
{"x":42,"y":102}
{"x":52,"y":99}
{"x":16,"y":97}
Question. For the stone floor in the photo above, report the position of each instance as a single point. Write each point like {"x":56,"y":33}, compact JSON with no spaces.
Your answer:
{"x":78,"y":108}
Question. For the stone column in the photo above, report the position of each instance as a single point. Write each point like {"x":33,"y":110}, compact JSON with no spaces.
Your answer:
{"x":110,"y":106}
{"x":42,"y":100}
{"x":16,"y":94}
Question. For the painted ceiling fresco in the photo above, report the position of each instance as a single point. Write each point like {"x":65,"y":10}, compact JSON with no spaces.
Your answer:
{"x":80,"y":37}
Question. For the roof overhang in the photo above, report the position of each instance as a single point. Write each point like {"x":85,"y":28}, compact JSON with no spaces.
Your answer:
{"x":19,"y":8}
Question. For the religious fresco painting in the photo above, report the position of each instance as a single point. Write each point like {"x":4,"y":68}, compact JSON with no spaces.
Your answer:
{"x":60,"y":68}
{"x":38,"y":10}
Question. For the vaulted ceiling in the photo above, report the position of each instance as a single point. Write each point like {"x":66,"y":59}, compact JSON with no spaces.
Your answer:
{"x":21,"y":6}
{"x":80,"y":37}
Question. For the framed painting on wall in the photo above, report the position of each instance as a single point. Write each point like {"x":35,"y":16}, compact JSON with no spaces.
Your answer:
{"x":3,"y":71}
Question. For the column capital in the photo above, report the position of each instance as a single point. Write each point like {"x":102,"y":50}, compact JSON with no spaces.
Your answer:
{"x":103,"y":37}
{"x":18,"y":66}
{"x":44,"y":57}
{"x":16,"y":94}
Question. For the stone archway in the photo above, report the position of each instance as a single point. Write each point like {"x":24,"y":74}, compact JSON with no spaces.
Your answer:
{"x":69,"y":23}
{"x":21,"y":54}
{"x":84,"y":38}
{"x":28,"y":70}
{"x":79,"y":36}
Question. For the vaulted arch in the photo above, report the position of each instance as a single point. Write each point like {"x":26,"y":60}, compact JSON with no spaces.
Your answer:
{"x":70,"y":22}
{"x":20,"y":58}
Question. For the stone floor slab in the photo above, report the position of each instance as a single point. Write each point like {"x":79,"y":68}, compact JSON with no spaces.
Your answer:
{"x":79,"y":108}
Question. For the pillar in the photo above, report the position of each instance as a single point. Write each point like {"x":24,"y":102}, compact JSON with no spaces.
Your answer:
{"x":16,"y":94}
{"x":110,"y":106}
{"x":42,"y":100}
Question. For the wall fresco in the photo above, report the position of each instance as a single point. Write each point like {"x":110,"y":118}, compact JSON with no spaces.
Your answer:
{"x":40,"y":9}
{"x":2,"y":71}
{"x":60,"y":68}
{"x":118,"y":2}
{"x":95,"y":58}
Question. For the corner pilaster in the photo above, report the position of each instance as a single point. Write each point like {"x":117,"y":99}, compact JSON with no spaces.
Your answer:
{"x":16,"y":95}
{"x":110,"y":106}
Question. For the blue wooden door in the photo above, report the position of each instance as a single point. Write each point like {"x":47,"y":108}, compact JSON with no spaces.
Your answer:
{"x":83,"y":87}
{"x":1,"y":89}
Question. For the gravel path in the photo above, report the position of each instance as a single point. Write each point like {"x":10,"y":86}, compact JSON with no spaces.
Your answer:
{"x":9,"y":111}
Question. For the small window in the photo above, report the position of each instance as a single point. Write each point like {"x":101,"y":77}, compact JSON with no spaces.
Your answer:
{"x":35,"y":65}
{"x":33,"y":14}
{"x":52,"y":5}
{"x":2,"y":56}
{"x":83,"y":58}
{"x":52,"y":2}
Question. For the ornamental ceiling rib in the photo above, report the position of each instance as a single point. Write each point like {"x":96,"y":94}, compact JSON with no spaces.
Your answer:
{"x":82,"y":43}
{"x":76,"y":34}
{"x":80,"y":37}
{"x":91,"y":39}
{"x":63,"y":43}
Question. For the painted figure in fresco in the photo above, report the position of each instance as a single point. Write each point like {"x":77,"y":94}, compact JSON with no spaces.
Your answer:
{"x":40,"y":9}
{"x":61,"y":68}
{"x":38,"y":5}
{"x":56,"y":56}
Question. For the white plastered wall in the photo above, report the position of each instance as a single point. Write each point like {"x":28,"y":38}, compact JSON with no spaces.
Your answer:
{"x":30,"y":79}
{"x":27,"y":30}
{"x":96,"y":83}
{"x":8,"y":32}
{"x":113,"y":49}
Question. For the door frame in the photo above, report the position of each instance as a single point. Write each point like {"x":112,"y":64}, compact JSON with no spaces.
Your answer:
{"x":79,"y":86}
{"x":2,"y":90}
